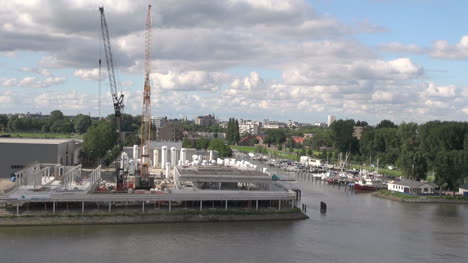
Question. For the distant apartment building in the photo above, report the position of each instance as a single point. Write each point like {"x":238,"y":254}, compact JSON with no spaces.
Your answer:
{"x":320,"y":124}
{"x":250,"y":127}
{"x":331,"y":119}
{"x":208,"y":135}
{"x":170,"y":132}
{"x":267,"y":124}
{"x":159,"y":122}
{"x":293,"y":124}
{"x":206,"y":120}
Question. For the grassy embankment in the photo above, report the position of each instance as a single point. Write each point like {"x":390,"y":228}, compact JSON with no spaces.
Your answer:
{"x":173,"y":213}
{"x":43,"y":135}
{"x":407,"y":197}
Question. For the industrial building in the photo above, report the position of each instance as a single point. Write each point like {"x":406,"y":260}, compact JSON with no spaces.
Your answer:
{"x":17,"y":153}
{"x":206,"y":120}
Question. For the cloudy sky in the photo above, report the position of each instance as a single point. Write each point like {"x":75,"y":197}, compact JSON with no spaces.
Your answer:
{"x":404,"y":60}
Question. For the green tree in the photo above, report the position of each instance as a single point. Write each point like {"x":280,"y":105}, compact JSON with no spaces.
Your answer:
{"x":99,"y":138}
{"x":386,"y":124}
{"x":56,"y":115}
{"x":202,"y":143}
{"x":275,"y":136}
{"x":342,"y":136}
{"x":450,"y":168}
{"x":3,"y":121}
{"x":413,"y":164}
{"x":81,"y":123}
{"x":186,"y":143}
{"x":408,"y":135}
{"x":132,"y":139}
{"x":12,"y":124}
{"x":219,"y":145}
{"x":236,"y":134}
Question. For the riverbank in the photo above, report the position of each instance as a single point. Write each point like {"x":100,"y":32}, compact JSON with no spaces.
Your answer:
{"x":401,"y":197}
{"x":180,"y":216}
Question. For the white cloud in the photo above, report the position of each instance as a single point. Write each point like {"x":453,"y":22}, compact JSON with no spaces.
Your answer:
{"x":440,"y":91}
{"x":382,"y":96}
{"x":396,"y":47}
{"x":32,"y":82}
{"x":89,"y":74}
{"x":442,"y":49}
{"x":188,"y":81}
{"x":8,"y":82}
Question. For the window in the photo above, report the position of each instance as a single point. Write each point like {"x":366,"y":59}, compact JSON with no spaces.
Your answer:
{"x":426,"y":190}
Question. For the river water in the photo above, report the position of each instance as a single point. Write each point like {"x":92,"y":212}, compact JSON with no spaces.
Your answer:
{"x":356,"y":228}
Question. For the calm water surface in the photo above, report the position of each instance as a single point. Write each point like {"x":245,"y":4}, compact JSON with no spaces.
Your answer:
{"x":356,"y":228}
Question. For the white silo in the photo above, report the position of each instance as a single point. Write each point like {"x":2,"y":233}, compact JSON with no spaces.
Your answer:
{"x":183,"y":155}
{"x":144,"y":155}
{"x":168,"y":166}
{"x":173,"y":156}
{"x":131,"y":167}
{"x":155,"y":158}
{"x":163,"y":156}
{"x":135,"y":152}
{"x":211,"y":156}
{"x":124,"y":161}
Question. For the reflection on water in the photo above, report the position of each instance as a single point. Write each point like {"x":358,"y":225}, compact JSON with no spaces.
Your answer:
{"x":356,"y":228}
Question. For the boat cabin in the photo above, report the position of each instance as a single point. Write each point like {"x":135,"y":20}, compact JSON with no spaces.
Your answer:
{"x":463,"y":189}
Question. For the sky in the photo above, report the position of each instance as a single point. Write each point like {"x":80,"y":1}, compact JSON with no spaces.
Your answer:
{"x":251,"y":59}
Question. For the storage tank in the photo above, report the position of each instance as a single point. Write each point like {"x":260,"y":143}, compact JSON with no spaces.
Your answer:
{"x":163,"y":156}
{"x":183,"y":155}
{"x":211,"y":155}
{"x":124,"y":161}
{"x":135,"y":152}
{"x":155,"y":158}
{"x":144,"y":155}
{"x":131,"y":167}
{"x":173,"y":156}
{"x":168,"y":166}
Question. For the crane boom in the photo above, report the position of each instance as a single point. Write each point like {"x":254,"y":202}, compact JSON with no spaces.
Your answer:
{"x":117,"y":97}
{"x":146,"y":112}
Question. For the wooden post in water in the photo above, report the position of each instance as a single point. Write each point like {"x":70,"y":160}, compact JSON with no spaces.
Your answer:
{"x":323,"y":207}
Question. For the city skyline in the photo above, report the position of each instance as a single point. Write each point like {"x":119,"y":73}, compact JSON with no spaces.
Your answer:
{"x":282,"y":60}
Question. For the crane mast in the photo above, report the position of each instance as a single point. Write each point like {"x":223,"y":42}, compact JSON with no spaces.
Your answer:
{"x":146,"y":112}
{"x":117,"y":97}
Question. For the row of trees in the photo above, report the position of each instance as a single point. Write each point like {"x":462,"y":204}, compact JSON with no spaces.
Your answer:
{"x":56,"y":122}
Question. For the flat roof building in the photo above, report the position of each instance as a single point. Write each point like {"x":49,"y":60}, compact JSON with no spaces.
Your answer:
{"x":17,"y":153}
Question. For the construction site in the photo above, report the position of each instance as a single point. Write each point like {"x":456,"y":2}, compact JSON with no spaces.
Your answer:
{"x":145,"y":177}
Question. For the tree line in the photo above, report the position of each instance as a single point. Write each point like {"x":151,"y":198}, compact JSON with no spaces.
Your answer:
{"x":439,"y":148}
{"x":56,"y":122}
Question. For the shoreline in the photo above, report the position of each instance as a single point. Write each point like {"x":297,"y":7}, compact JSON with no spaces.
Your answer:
{"x":418,"y":199}
{"x":150,"y":218}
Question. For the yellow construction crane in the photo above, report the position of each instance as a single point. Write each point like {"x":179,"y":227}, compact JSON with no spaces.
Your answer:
{"x":146,"y":112}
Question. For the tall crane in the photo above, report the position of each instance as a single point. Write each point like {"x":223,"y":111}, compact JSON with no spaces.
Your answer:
{"x":117,"y":96}
{"x":146,"y":112}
